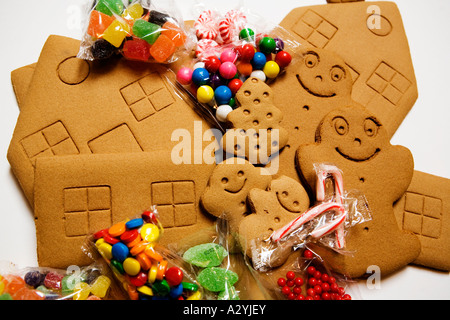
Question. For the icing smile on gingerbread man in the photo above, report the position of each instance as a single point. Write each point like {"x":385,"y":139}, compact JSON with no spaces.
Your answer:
{"x":319,"y":79}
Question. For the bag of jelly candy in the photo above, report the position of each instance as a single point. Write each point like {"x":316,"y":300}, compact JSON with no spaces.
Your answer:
{"x":218,"y":264}
{"x":145,"y":269}
{"x":139,"y":30}
{"x":92,"y":282}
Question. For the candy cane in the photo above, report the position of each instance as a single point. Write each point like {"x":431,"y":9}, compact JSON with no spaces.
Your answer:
{"x":339,"y":193}
{"x":205,"y":26}
{"x":305,"y":217}
{"x":331,"y":226}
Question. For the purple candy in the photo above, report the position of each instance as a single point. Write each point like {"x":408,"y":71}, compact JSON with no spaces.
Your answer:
{"x":216,"y":81}
{"x":279,"y":45}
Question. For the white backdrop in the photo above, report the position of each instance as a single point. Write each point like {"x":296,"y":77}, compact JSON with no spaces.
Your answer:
{"x":26,"y":24}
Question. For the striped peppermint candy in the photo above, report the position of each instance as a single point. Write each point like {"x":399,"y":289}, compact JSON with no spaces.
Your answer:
{"x":205,"y":26}
{"x":206,"y":48}
{"x":231,"y":24}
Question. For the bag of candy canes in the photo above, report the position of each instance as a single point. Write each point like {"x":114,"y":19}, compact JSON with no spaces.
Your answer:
{"x":141,"y":30}
{"x":231,"y":47}
{"x":145,"y":269}
{"x":327,"y":222}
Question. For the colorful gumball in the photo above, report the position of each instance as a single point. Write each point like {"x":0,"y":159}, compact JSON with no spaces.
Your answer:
{"x":283,"y":59}
{"x":200,"y":76}
{"x":222,"y":94}
{"x":235,"y":85}
{"x":259,"y":61}
{"x":205,"y":94}
{"x":247,"y":52}
{"x":228,"y":55}
{"x":212,"y":64}
{"x":267,"y":45}
{"x":184,"y":76}
{"x":271,"y":69}
{"x":228,"y":70}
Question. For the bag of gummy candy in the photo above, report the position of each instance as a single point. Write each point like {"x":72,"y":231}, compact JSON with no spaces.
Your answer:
{"x":217,"y":263}
{"x":91,"y":282}
{"x":140,"y":30}
{"x":145,"y":269}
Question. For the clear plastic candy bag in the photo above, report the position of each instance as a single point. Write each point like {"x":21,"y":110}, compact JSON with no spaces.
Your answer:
{"x":145,"y":269}
{"x":140,"y":30}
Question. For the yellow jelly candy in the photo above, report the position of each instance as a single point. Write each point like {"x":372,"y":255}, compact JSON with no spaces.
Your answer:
{"x":2,"y":287}
{"x":149,"y":232}
{"x":133,"y":12}
{"x":101,"y":286}
{"x":105,"y":249}
{"x":82,"y":291}
{"x":131,"y":266}
{"x":116,"y":33}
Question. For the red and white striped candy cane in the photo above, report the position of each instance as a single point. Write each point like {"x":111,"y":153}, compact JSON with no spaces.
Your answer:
{"x":231,"y":24}
{"x":339,"y":195}
{"x":207,"y":48}
{"x":305,"y":217}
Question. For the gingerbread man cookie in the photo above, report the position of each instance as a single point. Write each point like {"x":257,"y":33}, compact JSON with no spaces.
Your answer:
{"x":229,"y":184}
{"x":256,"y":133}
{"x":355,"y":141}
{"x":311,"y":87}
{"x":283,"y":201}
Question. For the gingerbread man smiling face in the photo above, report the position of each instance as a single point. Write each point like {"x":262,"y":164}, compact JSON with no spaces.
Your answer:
{"x":356,"y":142}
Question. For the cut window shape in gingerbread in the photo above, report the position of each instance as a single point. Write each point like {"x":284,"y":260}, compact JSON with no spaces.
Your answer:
{"x":389,"y":83}
{"x":147,"y":96}
{"x":422,"y":215}
{"x":175,"y":202}
{"x":315,"y":29}
{"x":86,"y":210}
{"x":49,"y":141}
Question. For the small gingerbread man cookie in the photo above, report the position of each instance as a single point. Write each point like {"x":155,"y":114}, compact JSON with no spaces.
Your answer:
{"x":273,"y":208}
{"x":354,"y":140}
{"x":255,"y":132}
{"x":229,"y":184}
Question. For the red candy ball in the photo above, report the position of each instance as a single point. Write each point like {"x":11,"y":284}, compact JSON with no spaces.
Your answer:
{"x":311,"y":270}
{"x":283,"y":59}
{"x":281,"y":282}
{"x":298,"y":281}
{"x":212,"y":64}
{"x":286,"y":290}
{"x":247,"y":52}
{"x":290,"y":275}
{"x":174,"y":276}
{"x":235,"y":85}
{"x":307,"y":253}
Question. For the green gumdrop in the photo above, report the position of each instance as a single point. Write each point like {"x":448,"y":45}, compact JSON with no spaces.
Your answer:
{"x":217,"y":279}
{"x":68,"y":284}
{"x":146,"y":30}
{"x":205,"y":255}
{"x":109,"y":7}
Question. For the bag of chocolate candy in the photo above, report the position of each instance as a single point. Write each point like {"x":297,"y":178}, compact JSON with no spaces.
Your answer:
{"x":145,"y":269}
{"x":139,"y":30}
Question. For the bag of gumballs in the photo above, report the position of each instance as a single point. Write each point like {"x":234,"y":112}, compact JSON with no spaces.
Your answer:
{"x":139,"y":30}
{"x":144,"y":269}
{"x":93,"y":282}
{"x":284,"y":262}
{"x":230,"y":48}
{"x":218,"y":264}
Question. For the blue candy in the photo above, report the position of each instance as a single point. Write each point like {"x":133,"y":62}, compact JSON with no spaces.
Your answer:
{"x":120,"y":251}
{"x":176,"y":291}
{"x":135,"y":223}
{"x":200,"y":76}
{"x":222,"y":94}
{"x":259,"y":61}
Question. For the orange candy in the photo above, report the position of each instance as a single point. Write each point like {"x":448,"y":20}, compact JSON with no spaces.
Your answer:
{"x":98,"y":23}
{"x":162,"y":267}
{"x":245,"y":68}
{"x":13,"y":284}
{"x":174,"y":33}
{"x":151,"y":253}
{"x":144,"y":261}
{"x":117,"y":229}
{"x":27,"y":294}
{"x":163,"y":49}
